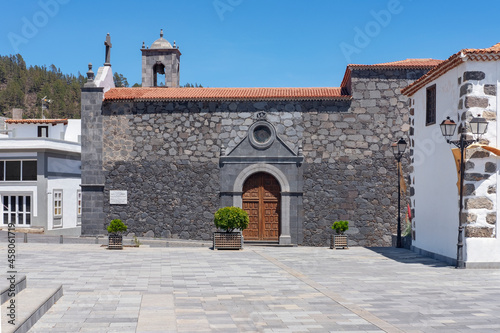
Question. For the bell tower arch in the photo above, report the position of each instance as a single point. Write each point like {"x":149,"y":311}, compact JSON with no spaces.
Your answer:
{"x":160,"y":59}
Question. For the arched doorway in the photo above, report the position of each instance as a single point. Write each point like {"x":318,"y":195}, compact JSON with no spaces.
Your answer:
{"x":262,"y":201}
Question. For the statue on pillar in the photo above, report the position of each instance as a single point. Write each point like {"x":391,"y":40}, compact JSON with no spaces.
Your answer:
{"x":108,"y":50}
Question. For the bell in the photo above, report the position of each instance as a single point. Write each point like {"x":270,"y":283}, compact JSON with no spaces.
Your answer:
{"x":160,"y":69}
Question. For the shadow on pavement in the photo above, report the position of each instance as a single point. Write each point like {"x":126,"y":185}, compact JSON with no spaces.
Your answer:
{"x":407,"y":257}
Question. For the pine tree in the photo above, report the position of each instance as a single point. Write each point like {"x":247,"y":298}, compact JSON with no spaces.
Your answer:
{"x":120,"y":80}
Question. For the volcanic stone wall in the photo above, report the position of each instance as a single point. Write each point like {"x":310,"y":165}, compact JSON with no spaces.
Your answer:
{"x":350,"y":172}
{"x":478,"y":97}
{"x":166,"y":155}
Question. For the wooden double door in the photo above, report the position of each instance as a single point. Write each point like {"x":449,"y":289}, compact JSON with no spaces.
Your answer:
{"x":262,"y":202}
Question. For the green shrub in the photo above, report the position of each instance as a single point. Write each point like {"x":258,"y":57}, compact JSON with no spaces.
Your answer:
{"x":116,"y":226}
{"x":340,"y":227}
{"x":230,"y":218}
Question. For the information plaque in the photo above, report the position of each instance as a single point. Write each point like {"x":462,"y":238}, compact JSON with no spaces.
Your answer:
{"x":117,"y":197}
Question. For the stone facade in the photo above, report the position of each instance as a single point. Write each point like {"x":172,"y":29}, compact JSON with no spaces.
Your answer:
{"x":475,"y":97}
{"x":167,"y":156}
{"x":479,"y":98}
{"x":179,"y":159}
{"x":354,"y":176}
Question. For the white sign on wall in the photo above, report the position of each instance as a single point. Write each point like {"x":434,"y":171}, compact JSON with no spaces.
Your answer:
{"x":117,"y":197}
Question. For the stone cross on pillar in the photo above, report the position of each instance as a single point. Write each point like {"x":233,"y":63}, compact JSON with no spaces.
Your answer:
{"x":108,"y":50}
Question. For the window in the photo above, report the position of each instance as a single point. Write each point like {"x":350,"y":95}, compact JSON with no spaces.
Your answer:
{"x":43,"y":131}
{"x":58,"y":208}
{"x":29,"y":170}
{"x":261,"y":134}
{"x":78,"y":207}
{"x":12,"y":170}
{"x":79,"y":203}
{"x":16,"y":209}
{"x":18,"y":171}
{"x":57,"y":203}
{"x":430,"y":109}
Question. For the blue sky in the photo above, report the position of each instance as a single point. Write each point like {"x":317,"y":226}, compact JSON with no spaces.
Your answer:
{"x":246,"y":43}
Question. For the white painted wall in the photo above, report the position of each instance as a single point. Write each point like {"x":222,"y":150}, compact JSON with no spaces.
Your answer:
{"x":70,"y":132}
{"x":104,"y":78}
{"x":436,"y":194}
{"x":73,"y":130}
{"x":31,"y":130}
{"x":69,"y":187}
{"x":33,"y":144}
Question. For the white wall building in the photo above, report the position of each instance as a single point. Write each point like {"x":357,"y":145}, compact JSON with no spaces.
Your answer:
{"x":463,"y":86}
{"x":40,"y":175}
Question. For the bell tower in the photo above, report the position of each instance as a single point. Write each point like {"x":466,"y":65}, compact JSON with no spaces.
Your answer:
{"x":160,"y":59}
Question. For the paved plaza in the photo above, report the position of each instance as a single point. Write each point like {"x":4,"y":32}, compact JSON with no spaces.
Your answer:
{"x":258,"y":289}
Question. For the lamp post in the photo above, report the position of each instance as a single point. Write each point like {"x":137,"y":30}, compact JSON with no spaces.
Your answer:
{"x":398,"y":149}
{"x":478,"y":127}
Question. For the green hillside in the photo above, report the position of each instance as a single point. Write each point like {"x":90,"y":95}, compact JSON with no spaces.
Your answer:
{"x":22,"y":87}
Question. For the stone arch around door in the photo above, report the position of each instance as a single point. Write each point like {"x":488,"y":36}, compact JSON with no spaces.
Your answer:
{"x":284,"y":237}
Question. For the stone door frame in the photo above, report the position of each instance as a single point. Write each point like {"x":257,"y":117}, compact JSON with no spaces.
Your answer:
{"x":284,"y":238}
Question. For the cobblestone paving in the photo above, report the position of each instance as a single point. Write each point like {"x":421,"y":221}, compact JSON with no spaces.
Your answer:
{"x":259,"y":289}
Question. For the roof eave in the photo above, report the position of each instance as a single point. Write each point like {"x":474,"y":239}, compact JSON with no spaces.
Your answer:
{"x":334,"y":98}
{"x":452,"y":62}
{"x":393,"y":67}
{"x":434,"y":73}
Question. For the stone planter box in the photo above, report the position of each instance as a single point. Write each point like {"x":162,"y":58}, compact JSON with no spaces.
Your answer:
{"x":228,"y":241}
{"x":115,"y":242}
{"x":405,"y":241}
{"x":339,"y":242}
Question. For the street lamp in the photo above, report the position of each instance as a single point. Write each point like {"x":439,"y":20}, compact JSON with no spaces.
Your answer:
{"x":398,"y":148}
{"x":478,"y":127}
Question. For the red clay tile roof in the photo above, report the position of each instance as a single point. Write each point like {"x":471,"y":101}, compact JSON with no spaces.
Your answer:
{"x":401,"y":64}
{"x":218,"y":94}
{"x":487,"y":54}
{"x":407,"y":64}
{"x":37,"y":121}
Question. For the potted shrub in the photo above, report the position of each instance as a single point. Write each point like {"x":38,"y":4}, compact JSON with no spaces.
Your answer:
{"x":115,"y":238}
{"x":339,"y":240}
{"x":230,"y":219}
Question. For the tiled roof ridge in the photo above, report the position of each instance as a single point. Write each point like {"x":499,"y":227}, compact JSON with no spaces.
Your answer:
{"x":409,"y":63}
{"x":406,"y":63}
{"x":494,"y":49}
{"x":486,"y":54}
{"x":215,"y":94}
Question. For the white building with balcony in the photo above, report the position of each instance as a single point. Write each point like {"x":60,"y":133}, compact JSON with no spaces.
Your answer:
{"x":40,"y":175}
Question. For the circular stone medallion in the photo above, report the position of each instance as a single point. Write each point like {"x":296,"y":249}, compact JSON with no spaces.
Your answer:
{"x":261,"y":135}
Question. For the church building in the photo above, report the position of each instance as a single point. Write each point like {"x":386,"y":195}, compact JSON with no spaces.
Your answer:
{"x":164,"y":158}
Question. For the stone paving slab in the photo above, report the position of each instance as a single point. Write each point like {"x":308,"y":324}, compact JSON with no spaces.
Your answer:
{"x":258,"y":289}
{"x":34,"y":237}
{"x":30,"y":304}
